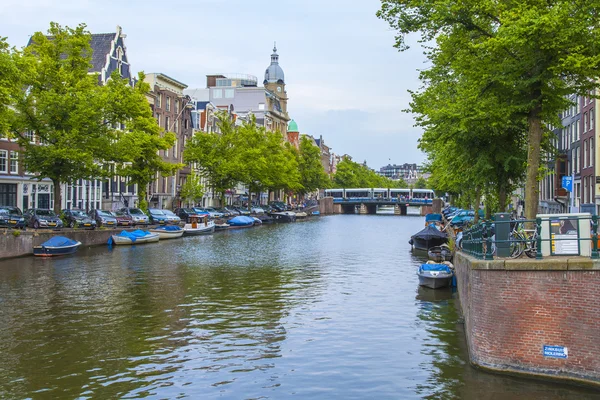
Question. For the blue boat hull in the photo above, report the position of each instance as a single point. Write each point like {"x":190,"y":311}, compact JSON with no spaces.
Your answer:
{"x":43,"y":251}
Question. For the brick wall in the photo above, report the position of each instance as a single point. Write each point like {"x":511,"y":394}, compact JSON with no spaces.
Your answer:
{"x":513,"y":308}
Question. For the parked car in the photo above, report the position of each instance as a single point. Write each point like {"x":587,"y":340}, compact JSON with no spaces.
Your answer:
{"x":185,"y":213}
{"x":11,"y":217}
{"x":157,"y":216}
{"x":201,"y":211}
{"x":42,"y":218}
{"x":226,"y":212}
{"x":231,"y":210}
{"x":242,"y":211}
{"x":75,"y":218}
{"x":257,"y":210}
{"x":123,"y":219}
{"x":172,"y":218}
{"x":103,"y":218}
{"x":214,"y":213}
{"x":137,"y":215}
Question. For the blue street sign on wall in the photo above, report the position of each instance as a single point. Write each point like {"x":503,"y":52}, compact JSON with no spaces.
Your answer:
{"x":556,"y":351}
{"x":567,"y":183}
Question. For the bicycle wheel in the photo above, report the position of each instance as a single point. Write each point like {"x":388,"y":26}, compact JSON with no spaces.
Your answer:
{"x":531,"y":249}
{"x":517,"y":244}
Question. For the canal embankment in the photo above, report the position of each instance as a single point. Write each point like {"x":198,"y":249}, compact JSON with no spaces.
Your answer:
{"x":532,"y":317}
{"x":19,"y":243}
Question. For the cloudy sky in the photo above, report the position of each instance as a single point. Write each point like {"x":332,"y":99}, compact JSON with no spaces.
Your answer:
{"x":344,"y":79}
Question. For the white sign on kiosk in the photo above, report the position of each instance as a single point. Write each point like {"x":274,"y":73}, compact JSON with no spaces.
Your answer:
{"x":560,"y":233}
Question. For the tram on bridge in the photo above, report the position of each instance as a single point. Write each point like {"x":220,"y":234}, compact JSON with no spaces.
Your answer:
{"x":413,"y":196}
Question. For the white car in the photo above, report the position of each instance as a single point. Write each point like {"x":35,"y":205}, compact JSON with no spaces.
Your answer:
{"x":257,"y":210}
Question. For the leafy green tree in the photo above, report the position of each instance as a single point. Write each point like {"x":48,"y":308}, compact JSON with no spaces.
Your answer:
{"x":531,"y":54}
{"x":192,"y":190}
{"x":64,"y":107}
{"x":10,"y":84}
{"x":421,"y":183}
{"x":217,"y":155}
{"x":312,"y":174}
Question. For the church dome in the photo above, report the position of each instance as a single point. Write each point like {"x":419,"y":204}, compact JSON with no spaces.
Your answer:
{"x":293,"y":126}
{"x":274,"y":74}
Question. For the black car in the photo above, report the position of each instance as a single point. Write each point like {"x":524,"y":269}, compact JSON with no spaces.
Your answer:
{"x":42,"y":218}
{"x":185,"y":213}
{"x":11,"y":217}
{"x":75,"y":218}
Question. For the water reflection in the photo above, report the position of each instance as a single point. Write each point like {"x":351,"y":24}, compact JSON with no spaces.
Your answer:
{"x":329,"y":308}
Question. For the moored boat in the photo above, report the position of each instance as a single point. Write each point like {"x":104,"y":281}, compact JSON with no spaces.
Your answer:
{"x":440,"y":253}
{"x":56,"y":246}
{"x":133,"y":237}
{"x":428,"y":237}
{"x":241,"y":221}
{"x":436,"y":276}
{"x":204,"y":227}
{"x":284,"y":216}
{"x":301,"y":215}
{"x":222,"y":226}
{"x":167,"y":232}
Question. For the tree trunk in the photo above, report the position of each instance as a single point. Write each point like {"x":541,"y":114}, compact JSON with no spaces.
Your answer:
{"x":477,"y":202}
{"x":502,"y":198}
{"x":57,"y":196}
{"x":142,"y":194}
{"x":534,"y":141}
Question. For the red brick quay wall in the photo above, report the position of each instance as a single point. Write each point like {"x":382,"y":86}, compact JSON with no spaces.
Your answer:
{"x":513,"y":308}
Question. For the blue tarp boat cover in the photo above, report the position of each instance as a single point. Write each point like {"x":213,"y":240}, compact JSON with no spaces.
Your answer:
{"x":133,"y":236}
{"x":433,"y":217}
{"x":59,"y":241}
{"x":170,"y":228}
{"x":241,"y":220}
{"x":436,"y":267}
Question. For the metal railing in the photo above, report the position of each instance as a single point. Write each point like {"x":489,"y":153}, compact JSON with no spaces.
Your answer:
{"x":480,"y":240}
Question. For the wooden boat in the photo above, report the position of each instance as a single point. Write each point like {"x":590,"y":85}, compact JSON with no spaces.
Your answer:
{"x":427,"y":238}
{"x":167,"y":232}
{"x":241,"y":221}
{"x":56,"y":246}
{"x":133,"y":237}
{"x":436,"y":276}
{"x":196,"y":227}
{"x":440,"y":253}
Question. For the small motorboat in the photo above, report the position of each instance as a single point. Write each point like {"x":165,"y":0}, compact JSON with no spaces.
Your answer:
{"x":284,"y":216}
{"x":266,"y":219}
{"x":436,"y":276}
{"x":133,"y":237}
{"x":440,"y":253}
{"x":301,"y":215}
{"x":427,"y":238}
{"x":257,"y":221}
{"x":317,"y":212}
{"x":167,"y":231}
{"x":195,"y":227}
{"x":56,"y":246}
{"x":241,"y":221}
{"x":222,"y":226}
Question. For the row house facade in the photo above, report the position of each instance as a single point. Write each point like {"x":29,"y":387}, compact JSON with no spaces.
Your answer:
{"x":575,"y":156}
{"x":173,"y":112}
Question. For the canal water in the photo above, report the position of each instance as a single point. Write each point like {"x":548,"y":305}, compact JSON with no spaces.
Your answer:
{"x":328,"y":308}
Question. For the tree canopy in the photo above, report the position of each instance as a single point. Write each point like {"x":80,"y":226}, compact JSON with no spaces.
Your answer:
{"x":350,"y":174}
{"x":529,"y":55}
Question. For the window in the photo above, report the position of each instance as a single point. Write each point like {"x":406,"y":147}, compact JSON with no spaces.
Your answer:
{"x":229,"y":93}
{"x":168,"y":108}
{"x":3,"y":161}
{"x":30,"y":136}
{"x":176,"y":106}
{"x":586,"y":158}
{"x":217,"y":93}
{"x":14,"y":162}
{"x":176,"y":128}
{"x":577,"y":160}
{"x":585,"y":122}
{"x":185,"y":123}
{"x":591,"y":119}
{"x":158,"y":100}
{"x":158,"y":119}
{"x":175,"y":149}
{"x":166,"y":153}
{"x":167,"y":124}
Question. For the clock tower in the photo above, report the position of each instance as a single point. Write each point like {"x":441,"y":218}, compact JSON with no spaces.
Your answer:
{"x":277,"y":116}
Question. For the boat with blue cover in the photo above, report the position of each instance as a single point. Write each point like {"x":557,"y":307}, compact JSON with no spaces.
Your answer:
{"x":167,"y":231}
{"x":434,"y":276}
{"x":241,"y":221}
{"x":133,"y":237}
{"x":56,"y":246}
